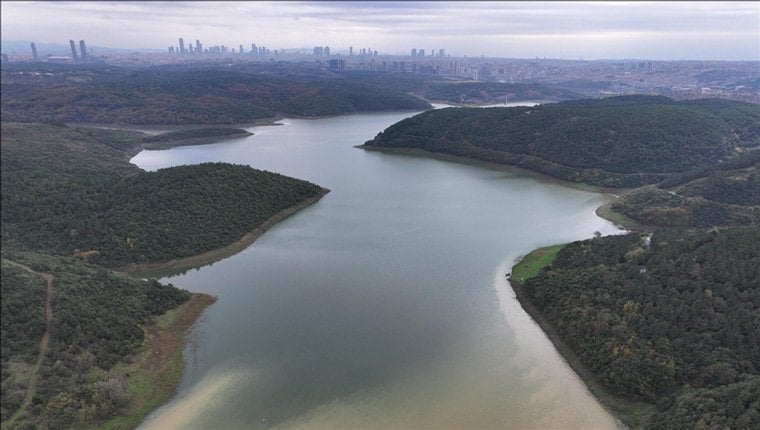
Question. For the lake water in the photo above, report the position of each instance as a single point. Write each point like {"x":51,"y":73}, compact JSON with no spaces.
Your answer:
{"x":385,"y":304}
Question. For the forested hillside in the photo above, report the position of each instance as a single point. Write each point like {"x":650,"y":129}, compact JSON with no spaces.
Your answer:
{"x":176,"y":95}
{"x":97,"y":322}
{"x":75,"y":352}
{"x":67,"y":192}
{"x":616,"y":142}
{"x":727,"y":194}
{"x":673,"y":322}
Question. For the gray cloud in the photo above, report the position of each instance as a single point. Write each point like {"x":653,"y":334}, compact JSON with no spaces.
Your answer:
{"x":657,"y":30}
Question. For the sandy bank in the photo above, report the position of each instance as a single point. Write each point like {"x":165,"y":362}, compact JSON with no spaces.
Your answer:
{"x":631,"y":413}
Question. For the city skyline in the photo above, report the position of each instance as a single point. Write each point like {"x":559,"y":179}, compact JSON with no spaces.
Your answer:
{"x":562,"y":30}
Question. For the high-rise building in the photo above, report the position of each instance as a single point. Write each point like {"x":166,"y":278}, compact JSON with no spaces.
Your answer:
{"x":83,"y":49}
{"x":327,"y":51}
{"x":74,"y":55}
{"x":414,"y":52}
{"x":181,"y":45}
{"x":198,"y":47}
{"x":350,"y":50}
{"x":441,"y":52}
{"x":421,"y":53}
{"x":35,"y":57}
{"x":241,"y":49}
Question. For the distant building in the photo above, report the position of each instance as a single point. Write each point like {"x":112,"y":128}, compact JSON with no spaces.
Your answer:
{"x":350,"y":50}
{"x":414,"y":52}
{"x":337,"y":64}
{"x":198,"y":46}
{"x":83,"y":49}
{"x":441,"y":52}
{"x":35,"y":57}
{"x":181,"y":45}
{"x":74,"y":55}
{"x":327,"y":51}
{"x":241,"y":49}
{"x":57,"y":59}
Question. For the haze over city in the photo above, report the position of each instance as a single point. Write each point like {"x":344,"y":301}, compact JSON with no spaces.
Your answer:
{"x":562,"y":30}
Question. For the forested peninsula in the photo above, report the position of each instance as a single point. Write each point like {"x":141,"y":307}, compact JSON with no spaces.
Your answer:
{"x":663,"y":328}
{"x":83,"y":345}
{"x":662,"y":324}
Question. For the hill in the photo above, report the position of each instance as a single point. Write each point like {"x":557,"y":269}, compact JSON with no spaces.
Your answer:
{"x":726,"y":194}
{"x":616,"y":142}
{"x":78,"y":375}
{"x":669,"y":320}
{"x":71,"y":190}
{"x":182,"y":95}
{"x":83,"y":346}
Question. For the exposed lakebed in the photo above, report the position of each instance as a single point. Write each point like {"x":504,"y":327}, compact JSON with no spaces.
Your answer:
{"x":385,"y":304}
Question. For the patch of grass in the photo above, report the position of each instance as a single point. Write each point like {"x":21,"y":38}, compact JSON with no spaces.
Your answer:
{"x":531,"y":264}
{"x":617,"y":218}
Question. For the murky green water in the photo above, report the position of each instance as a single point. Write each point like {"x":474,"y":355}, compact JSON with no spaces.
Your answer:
{"x":384,"y":305}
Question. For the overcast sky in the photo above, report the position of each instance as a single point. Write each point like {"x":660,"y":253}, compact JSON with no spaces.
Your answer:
{"x":569,"y":30}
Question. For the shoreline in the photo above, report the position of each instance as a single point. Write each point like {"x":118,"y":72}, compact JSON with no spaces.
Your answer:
{"x":630,"y":413}
{"x":214,"y":255}
{"x":496,"y":166}
{"x":604,"y":211}
{"x":157,"y":371}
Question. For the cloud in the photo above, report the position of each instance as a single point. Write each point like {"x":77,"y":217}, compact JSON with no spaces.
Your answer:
{"x":395,"y":26}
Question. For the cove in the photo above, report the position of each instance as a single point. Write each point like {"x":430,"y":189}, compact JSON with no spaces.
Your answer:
{"x":385,"y":304}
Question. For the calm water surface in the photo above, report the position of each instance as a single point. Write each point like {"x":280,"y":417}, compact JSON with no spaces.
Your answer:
{"x":384,"y":305}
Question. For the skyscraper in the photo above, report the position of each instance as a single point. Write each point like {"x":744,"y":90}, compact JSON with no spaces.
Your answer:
{"x":241,"y":49}
{"x":83,"y":49}
{"x":198,"y":47}
{"x":181,"y":45}
{"x":74,"y":55}
{"x":35,"y":57}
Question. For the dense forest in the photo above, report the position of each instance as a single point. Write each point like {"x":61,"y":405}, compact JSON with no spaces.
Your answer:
{"x":725,"y":194}
{"x":97,"y":322}
{"x":192,"y":95}
{"x":213,"y":94}
{"x":66,"y":192}
{"x":70,"y":191}
{"x":670,"y":319}
{"x":623,"y":142}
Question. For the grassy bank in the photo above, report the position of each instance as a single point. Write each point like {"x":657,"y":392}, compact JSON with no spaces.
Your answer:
{"x":154,"y":375}
{"x":605,"y":211}
{"x":531,"y":264}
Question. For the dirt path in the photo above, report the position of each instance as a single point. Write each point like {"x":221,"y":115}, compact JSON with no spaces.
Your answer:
{"x":31,"y":389}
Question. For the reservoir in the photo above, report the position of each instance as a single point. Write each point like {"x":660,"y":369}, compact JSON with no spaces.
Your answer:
{"x":385,"y":304}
